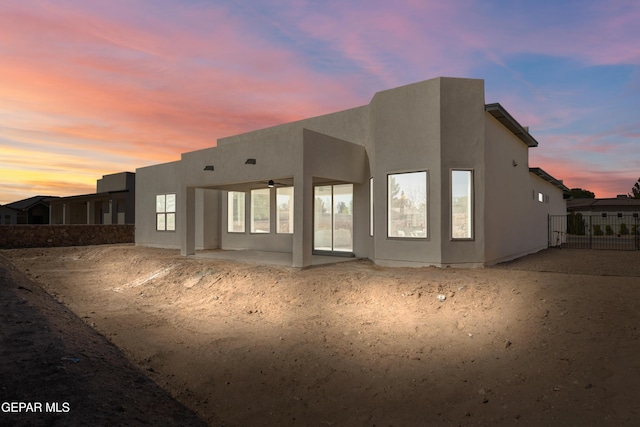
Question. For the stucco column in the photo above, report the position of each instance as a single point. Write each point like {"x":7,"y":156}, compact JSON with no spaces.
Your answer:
{"x":114,"y":211}
{"x":187,"y":221}
{"x":90,"y":212}
{"x":303,"y":220}
{"x":108,"y":215}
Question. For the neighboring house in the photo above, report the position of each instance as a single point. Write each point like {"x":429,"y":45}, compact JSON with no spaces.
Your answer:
{"x":8,"y":216}
{"x":113,"y":203}
{"x":34,"y":210}
{"x":621,"y":204}
{"x":619,"y":215}
{"x":425,"y":174}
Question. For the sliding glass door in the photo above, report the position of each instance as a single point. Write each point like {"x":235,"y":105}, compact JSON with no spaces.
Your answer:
{"x":333,"y":218}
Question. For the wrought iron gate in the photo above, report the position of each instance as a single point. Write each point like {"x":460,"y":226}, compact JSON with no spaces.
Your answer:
{"x":605,"y":231}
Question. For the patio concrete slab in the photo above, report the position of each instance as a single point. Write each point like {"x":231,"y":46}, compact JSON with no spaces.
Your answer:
{"x":264,"y":257}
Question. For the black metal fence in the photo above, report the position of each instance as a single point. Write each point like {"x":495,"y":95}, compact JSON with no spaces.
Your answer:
{"x":604,"y":231}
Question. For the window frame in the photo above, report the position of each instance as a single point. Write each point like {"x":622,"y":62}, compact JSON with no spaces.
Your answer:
{"x":291,"y":210}
{"x":334,"y":246}
{"x":470,"y":207}
{"x":165,"y":211}
{"x":252,"y":220}
{"x":426,"y":208}
{"x":230,"y":216}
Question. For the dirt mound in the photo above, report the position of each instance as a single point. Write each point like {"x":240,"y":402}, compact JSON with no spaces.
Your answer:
{"x":358,"y":344}
{"x":66,"y":372}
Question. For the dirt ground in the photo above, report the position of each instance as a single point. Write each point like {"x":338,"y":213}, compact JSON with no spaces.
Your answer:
{"x":550,"y":339}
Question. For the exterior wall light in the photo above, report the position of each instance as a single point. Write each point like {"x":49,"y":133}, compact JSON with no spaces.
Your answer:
{"x":250,"y":162}
{"x":208,"y":168}
{"x":271,"y":184}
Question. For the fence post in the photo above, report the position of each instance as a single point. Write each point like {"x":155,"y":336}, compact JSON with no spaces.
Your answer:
{"x":590,"y":233}
{"x":636,"y":233}
{"x":548,"y":230}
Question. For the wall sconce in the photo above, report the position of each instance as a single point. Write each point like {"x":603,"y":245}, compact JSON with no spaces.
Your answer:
{"x":514,"y":163}
{"x":208,"y":168}
{"x":271,"y":184}
{"x":250,"y":162}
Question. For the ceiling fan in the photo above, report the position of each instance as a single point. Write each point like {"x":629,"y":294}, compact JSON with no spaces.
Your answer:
{"x":271,"y":183}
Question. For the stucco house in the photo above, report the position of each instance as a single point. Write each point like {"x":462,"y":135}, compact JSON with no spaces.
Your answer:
{"x":112,"y":203}
{"x":34,"y":210}
{"x":425,"y":174}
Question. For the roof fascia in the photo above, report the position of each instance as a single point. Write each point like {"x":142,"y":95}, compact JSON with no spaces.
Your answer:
{"x":542,"y":174}
{"x":507,"y":120}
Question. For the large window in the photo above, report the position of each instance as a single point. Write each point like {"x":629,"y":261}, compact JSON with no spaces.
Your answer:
{"x":284,"y":212}
{"x":260,"y":211}
{"x":407,"y":205}
{"x":235,"y":210}
{"x":166,"y":212}
{"x":461,"y":204}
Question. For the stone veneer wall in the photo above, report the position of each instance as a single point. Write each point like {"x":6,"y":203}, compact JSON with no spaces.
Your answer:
{"x":41,"y":236}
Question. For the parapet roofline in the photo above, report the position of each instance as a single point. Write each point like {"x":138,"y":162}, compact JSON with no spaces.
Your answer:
{"x":507,"y":120}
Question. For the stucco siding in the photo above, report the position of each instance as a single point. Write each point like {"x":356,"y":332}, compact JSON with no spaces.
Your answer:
{"x":151,"y":181}
{"x":432,"y":126}
{"x":338,"y":161}
{"x":516,"y":222}
{"x":508,"y":192}
{"x":462,"y":147}
{"x":208,"y":203}
{"x":350,"y":125}
{"x":405,"y":133}
{"x":553,"y":203}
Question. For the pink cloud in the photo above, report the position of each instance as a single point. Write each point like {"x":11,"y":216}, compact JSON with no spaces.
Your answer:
{"x":191,"y":98}
{"x":390,"y":41}
{"x":600,"y":33}
{"x":75,"y":80}
{"x":143,"y":82}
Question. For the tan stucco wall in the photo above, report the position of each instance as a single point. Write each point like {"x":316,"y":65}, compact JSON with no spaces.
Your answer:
{"x":208,"y":218}
{"x":350,"y":125}
{"x":515,"y":222}
{"x":538,"y":234}
{"x":433,"y":126}
{"x":116,"y":182}
{"x":462,"y":117}
{"x":151,"y":181}
{"x":405,"y":134}
{"x":508,"y":192}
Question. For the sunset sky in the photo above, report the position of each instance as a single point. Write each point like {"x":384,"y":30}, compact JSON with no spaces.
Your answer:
{"x":89,"y":88}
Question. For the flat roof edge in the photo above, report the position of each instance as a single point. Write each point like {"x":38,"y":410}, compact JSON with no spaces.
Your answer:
{"x":507,"y":120}
{"x":544,"y":175}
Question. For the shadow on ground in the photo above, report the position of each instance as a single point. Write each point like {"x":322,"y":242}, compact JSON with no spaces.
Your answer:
{"x":70,"y":374}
